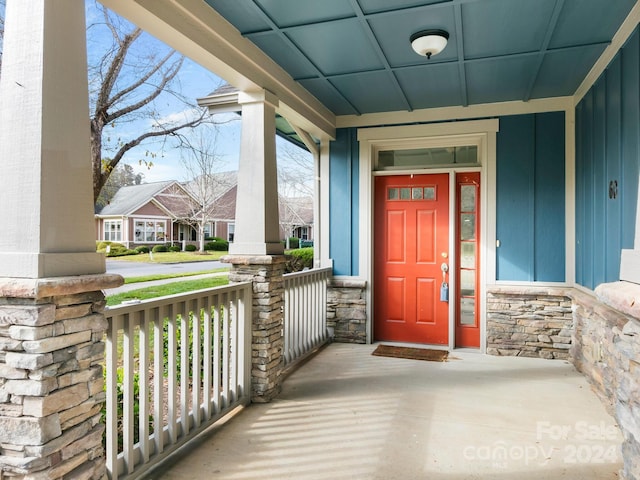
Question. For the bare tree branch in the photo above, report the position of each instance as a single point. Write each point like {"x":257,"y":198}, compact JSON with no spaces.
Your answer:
{"x":158,"y":90}
{"x":109,"y":165}
{"x":295,"y":186}
{"x":129,"y":76}
{"x":201,"y":163}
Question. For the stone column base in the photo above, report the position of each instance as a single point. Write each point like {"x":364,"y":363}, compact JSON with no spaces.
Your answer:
{"x":267,"y":343}
{"x":51,"y":379}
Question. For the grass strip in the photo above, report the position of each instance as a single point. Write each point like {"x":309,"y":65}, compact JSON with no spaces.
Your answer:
{"x":165,"y":276}
{"x":167,"y":289}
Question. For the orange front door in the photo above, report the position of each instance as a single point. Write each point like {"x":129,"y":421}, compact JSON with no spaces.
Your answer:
{"x":411,"y":243}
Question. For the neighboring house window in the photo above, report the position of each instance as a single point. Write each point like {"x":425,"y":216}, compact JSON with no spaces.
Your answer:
{"x":150,"y":230}
{"x":304,"y":233}
{"x":113,"y":230}
{"x":207,"y":230}
{"x":232,"y":231}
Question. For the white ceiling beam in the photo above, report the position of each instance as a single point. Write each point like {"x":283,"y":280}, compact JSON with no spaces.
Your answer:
{"x":427,"y":115}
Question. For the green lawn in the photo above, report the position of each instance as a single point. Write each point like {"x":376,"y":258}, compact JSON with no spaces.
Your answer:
{"x":171,"y":257}
{"x":167,"y":289}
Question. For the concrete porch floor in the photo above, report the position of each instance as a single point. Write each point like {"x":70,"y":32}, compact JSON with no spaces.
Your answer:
{"x":349,"y":415}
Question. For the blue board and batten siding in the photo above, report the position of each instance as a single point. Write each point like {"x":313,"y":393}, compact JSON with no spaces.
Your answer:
{"x":607,"y":167}
{"x":530,"y":198}
{"x":343,"y":202}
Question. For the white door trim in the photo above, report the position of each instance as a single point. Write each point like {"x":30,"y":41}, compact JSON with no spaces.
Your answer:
{"x":480,"y":132}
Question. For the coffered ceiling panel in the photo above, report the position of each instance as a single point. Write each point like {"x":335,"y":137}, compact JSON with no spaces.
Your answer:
{"x":356,"y":58}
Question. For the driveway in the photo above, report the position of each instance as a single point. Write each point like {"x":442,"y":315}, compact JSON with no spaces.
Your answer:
{"x":135,"y":269}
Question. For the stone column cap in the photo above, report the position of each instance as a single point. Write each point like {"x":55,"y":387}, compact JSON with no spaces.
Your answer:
{"x":622,"y":296}
{"x":253,"y":259}
{"x":56,"y":286}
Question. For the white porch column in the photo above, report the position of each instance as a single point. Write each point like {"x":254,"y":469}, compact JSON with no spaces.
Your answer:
{"x":257,"y":223}
{"x":51,"y":278}
{"x":46,"y":200}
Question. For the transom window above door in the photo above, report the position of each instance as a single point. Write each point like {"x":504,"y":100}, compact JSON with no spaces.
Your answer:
{"x":431,"y":157}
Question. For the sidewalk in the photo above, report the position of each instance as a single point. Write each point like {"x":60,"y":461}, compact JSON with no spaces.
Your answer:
{"x":135,"y":286}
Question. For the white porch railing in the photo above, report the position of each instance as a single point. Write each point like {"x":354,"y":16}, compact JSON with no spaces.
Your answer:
{"x":175,"y":365}
{"x":305,"y":312}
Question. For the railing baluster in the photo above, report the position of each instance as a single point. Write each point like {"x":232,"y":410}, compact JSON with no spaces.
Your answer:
{"x":158,"y":377}
{"x":112,"y":395}
{"x":196,"y":363}
{"x":217,"y":329}
{"x":172,"y":374}
{"x":207,"y":379}
{"x":128,"y":394}
{"x":184,"y":369}
{"x":226,"y":331}
{"x":233,"y":337}
{"x":143,"y":376}
{"x":244,"y":341}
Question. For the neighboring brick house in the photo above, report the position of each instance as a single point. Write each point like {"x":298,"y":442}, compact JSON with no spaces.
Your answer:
{"x":147,"y":214}
{"x":163,"y":212}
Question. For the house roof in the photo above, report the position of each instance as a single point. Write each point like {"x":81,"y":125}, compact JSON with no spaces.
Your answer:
{"x":130,"y":198}
{"x":296,"y":210}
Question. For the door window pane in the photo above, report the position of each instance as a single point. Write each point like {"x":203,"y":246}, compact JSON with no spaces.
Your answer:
{"x":405,"y":193}
{"x":467,"y":311}
{"x":468,"y":255}
{"x":467,"y":226}
{"x":429,"y":193}
{"x":468,"y":282}
{"x":468,"y":198}
{"x":416,"y":193}
{"x":392,"y":194}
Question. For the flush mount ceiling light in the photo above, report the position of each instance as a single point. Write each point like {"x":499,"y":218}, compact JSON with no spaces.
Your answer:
{"x":429,"y":42}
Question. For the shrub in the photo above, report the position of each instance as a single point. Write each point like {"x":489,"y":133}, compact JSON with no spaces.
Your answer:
{"x":160,"y":249}
{"x":299,"y":259}
{"x":175,"y":248}
{"x":115,"y":249}
{"x":190,"y":248}
{"x":101,"y":246}
{"x":218,"y":245}
{"x":293,"y":242}
{"x":142,"y":249}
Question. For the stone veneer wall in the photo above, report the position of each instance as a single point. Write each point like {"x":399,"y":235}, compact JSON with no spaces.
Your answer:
{"x":529,"y":322}
{"x":347,"y":310}
{"x":51,"y":381}
{"x":606,"y":349}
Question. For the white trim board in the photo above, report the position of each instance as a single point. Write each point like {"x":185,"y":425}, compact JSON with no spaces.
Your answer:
{"x":432,"y":115}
